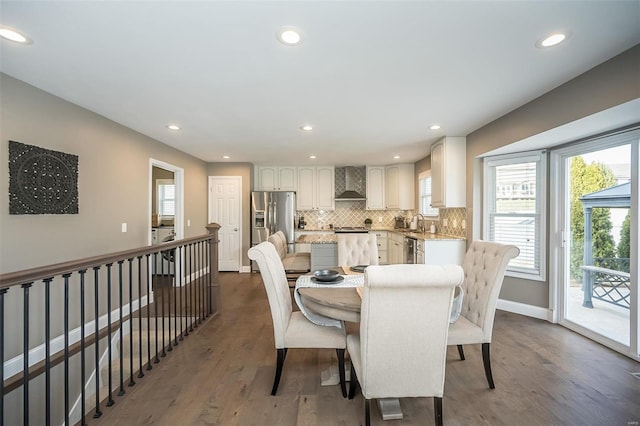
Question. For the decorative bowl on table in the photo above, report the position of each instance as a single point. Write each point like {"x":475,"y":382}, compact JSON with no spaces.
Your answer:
{"x":358,"y":268}
{"x":326,"y":275}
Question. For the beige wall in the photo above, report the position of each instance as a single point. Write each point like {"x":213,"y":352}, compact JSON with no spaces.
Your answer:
{"x":244,"y":170}
{"x":113,"y":181}
{"x":607,"y":85}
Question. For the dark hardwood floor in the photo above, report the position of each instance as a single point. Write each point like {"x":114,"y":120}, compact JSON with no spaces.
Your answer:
{"x":222,"y":374}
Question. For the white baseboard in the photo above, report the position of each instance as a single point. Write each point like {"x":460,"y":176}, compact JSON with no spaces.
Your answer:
{"x":245,"y":269}
{"x":527,"y":310}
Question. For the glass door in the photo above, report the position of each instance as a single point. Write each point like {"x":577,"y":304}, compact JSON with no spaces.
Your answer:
{"x":597,"y":289}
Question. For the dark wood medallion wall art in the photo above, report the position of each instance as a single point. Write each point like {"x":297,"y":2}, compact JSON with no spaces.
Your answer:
{"x":42,"y":181}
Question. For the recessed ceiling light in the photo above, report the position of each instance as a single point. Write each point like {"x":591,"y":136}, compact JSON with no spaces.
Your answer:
{"x":396,"y":157}
{"x":289,"y":36}
{"x":434,"y":127}
{"x":551,"y":40}
{"x":306,"y":128}
{"x":313,"y":157}
{"x":173,"y":127}
{"x":14,"y":35}
{"x":226,"y":157}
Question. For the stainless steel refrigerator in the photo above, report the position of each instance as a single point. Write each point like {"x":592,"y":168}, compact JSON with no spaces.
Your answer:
{"x":272,"y":212}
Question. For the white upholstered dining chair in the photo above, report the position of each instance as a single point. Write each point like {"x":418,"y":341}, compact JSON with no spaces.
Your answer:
{"x":292,"y":329}
{"x":402,"y":345}
{"x":484,"y":265}
{"x":357,"y":249}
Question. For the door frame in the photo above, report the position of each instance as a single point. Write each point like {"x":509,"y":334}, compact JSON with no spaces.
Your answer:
{"x":238,"y":180}
{"x":558,"y":234}
{"x":178,"y":180}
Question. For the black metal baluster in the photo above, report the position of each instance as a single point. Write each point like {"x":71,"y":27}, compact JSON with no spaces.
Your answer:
{"x":25,"y":351}
{"x":110,"y":400}
{"x":67,"y":407}
{"x":131,"y":381}
{"x":207,"y":261}
{"x":3,"y":291}
{"x":203,"y":287}
{"x":191,"y":287}
{"x":176,"y":286}
{"x":47,"y":348}
{"x":82,"y":349}
{"x":170,"y":348}
{"x":149,"y":288}
{"x":96,"y":340}
{"x":181,"y":288}
{"x":162,"y":258}
{"x":140,"y":373}
{"x":196,"y":261}
{"x":121,"y":349}
{"x":187,"y":290}
{"x":155,"y":302}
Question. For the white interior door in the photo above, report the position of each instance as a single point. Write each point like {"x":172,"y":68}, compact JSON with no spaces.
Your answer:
{"x":225,"y":207}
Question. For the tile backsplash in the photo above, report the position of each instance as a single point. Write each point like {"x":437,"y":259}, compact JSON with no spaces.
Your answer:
{"x":353,"y":213}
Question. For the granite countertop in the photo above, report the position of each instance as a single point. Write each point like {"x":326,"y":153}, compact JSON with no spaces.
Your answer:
{"x":330,"y":238}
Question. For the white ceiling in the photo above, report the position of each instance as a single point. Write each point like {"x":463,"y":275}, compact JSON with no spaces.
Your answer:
{"x":369,"y":76}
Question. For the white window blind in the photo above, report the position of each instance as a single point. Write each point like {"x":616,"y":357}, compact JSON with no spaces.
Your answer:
{"x":166,"y":197}
{"x":424,"y":183}
{"x":514,"y":209}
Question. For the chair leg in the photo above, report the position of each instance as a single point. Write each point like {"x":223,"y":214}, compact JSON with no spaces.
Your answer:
{"x":461,"y":352}
{"x":437,"y":409}
{"x":343,"y":381}
{"x":353,"y":382}
{"x":367,"y":412}
{"x":282,"y":354}
{"x":486,"y":359}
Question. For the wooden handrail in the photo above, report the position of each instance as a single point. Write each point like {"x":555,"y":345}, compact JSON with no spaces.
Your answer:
{"x":31,"y":275}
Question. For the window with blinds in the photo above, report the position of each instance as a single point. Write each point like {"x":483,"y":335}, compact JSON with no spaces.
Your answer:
{"x":424,"y":183}
{"x":514,"y":209}
{"x":166,"y":197}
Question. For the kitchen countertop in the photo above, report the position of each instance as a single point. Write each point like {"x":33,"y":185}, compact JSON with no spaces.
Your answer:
{"x":330,"y":238}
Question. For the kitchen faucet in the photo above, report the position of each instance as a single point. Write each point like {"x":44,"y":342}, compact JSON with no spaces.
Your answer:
{"x":420,"y":223}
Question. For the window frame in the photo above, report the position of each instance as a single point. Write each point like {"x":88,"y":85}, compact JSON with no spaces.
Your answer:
{"x":160,"y":197}
{"x":540,"y":192}
{"x":434,"y":213}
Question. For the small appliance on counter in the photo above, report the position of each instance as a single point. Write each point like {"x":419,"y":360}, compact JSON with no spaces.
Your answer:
{"x":400,"y":222}
{"x":301,"y":223}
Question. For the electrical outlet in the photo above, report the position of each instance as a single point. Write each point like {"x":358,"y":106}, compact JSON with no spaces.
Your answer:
{"x":444,"y":222}
{"x":454,"y":223}
{"x":124,"y":227}
{"x":380,"y":219}
{"x":188,"y":223}
{"x":463,"y":224}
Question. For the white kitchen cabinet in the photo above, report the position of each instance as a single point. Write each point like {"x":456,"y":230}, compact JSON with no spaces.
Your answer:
{"x":400,"y":187}
{"x":448,"y":172}
{"x":375,"y":188}
{"x":444,"y":252}
{"x":396,"y":248}
{"x":272,"y":178}
{"x":382,"y":242}
{"x":316,"y":188}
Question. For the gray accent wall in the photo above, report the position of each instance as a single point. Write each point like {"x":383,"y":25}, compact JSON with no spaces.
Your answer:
{"x":113,"y":181}
{"x":607,"y":85}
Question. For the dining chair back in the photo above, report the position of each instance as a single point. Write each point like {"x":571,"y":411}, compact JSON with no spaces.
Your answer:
{"x":292,"y":329}
{"x":401,"y":348}
{"x":357,"y":249}
{"x":484,"y":265}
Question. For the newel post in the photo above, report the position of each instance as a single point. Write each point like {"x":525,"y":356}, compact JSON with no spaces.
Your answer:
{"x":214,"y":285}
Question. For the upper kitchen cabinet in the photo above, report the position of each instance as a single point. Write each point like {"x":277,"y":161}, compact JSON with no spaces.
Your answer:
{"x":276,"y":178}
{"x":316,"y":187}
{"x":400,"y":187}
{"x":375,"y":188}
{"x":448,"y":172}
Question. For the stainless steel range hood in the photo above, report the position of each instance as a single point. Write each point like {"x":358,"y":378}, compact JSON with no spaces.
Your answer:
{"x":351,"y":191}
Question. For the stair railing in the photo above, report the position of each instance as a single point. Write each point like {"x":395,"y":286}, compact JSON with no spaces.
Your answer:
{"x":93,"y":307}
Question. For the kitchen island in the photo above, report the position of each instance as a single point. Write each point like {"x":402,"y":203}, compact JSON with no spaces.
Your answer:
{"x":437,"y":248}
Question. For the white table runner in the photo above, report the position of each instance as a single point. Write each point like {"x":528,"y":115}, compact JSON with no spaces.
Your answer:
{"x":305,"y":281}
